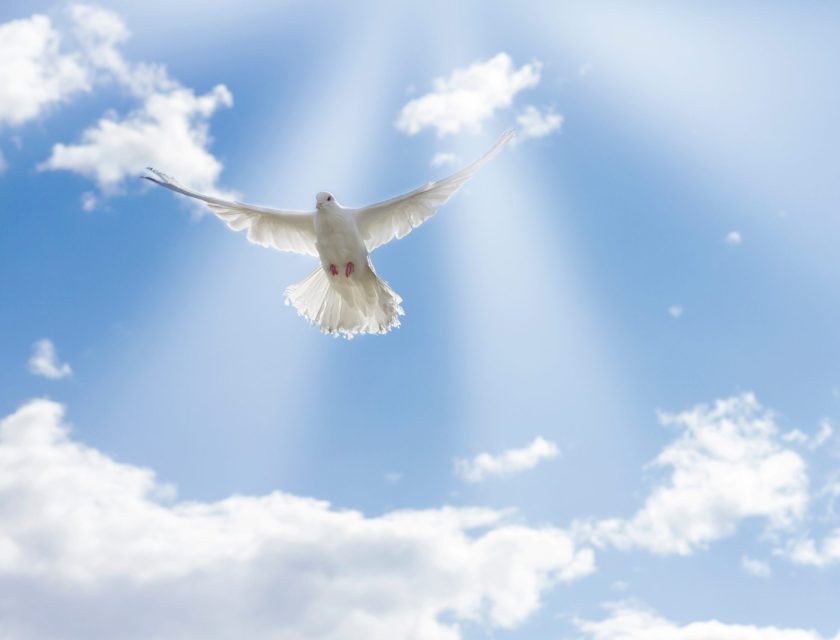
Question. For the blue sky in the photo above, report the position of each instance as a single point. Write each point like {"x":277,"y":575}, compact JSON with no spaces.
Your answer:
{"x":664,"y":248}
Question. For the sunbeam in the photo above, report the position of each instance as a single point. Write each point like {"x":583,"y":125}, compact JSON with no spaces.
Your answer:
{"x":219,"y":348}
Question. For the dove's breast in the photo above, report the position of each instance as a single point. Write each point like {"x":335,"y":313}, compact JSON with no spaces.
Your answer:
{"x":338,"y":239}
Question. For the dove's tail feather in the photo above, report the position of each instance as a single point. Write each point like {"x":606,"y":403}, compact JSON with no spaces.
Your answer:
{"x":345,"y":307}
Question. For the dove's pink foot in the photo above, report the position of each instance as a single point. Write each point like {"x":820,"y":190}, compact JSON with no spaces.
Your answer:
{"x":348,"y":269}
{"x":333,"y":270}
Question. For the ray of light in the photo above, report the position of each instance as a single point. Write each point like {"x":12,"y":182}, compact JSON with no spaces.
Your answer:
{"x":532,"y":356}
{"x":751,"y":118}
{"x":219,"y":355}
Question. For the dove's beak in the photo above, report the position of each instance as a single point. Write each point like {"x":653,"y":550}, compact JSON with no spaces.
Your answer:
{"x":317,"y":205}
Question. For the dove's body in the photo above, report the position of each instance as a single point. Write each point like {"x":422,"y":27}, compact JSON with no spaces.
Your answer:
{"x":337,"y":237}
{"x":344,"y":296}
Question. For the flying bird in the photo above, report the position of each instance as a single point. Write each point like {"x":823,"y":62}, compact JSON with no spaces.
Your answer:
{"x":343,"y":296}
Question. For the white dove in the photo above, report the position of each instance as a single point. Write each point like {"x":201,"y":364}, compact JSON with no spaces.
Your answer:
{"x":343,"y":296}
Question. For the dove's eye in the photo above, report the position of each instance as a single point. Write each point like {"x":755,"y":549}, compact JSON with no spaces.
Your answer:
{"x":329,"y":198}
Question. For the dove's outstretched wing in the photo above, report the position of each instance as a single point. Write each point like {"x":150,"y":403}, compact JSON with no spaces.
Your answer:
{"x":284,"y":230}
{"x":395,"y":218}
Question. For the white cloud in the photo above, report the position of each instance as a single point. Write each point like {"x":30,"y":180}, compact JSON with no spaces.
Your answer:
{"x":675,"y":311}
{"x":44,"y":361}
{"x":35,"y":74}
{"x":441,"y":159}
{"x":108,"y":552}
{"x":168,"y":131}
{"x":506,"y":463}
{"x":727,"y":465}
{"x":753,"y":566}
{"x":99,"y":32}
{"x":733,"y":238}
{"x":823,"y":435}
{"x":631,"y":621}
{"x":469,"y":96}
{"x":534,"y":123}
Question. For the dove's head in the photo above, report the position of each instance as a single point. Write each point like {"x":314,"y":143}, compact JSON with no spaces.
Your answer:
{"x":324,"y":200}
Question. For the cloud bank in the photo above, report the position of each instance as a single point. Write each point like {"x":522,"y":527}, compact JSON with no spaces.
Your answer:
{"x":106,"y":549}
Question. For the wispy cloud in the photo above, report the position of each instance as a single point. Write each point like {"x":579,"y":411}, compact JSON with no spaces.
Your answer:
{"x":758,"y":568}
{"x":508,"y":462}
{"x":44,"y":361}
{"x":394,"y":477}
{"x":469,"y":96}
{"x":823,"y":435}
{"x":89,"y":201}
{"x":733,"y":238}
{"x":444,"y":158}
{"x":89,"y":534}
{"x":676,"y":311}
{"x":533,"y":123}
